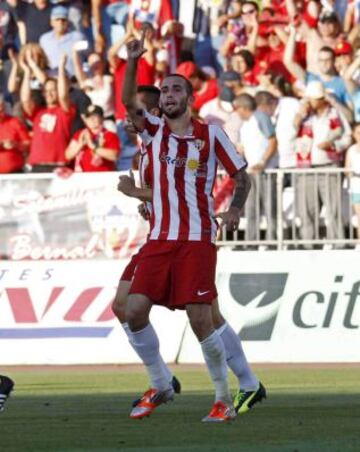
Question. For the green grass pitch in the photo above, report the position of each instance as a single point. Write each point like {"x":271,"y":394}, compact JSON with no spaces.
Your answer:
{"x":86,"y":409}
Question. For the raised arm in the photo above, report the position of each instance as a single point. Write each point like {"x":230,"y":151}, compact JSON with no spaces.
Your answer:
{"x":98,"y":26}
{"x":39,"y":73}
{"x":26,"y":100}
{"x":63,"y":85}
{"x":14,"y":79}
{"x":79,"y":72}
{"x":135,"y":50}
{"x":294,"y":68}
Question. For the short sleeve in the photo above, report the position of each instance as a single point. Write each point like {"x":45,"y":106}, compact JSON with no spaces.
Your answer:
{"x":226,"y":152}
{"x":265,"y":124}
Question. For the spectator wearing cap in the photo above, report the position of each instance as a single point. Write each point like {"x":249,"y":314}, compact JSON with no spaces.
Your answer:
{"x":204,"y":87}
{"x":326,"y":33}
{"x":33,"y":20}
{"x":94,"y":148}
{"x":52,"y":123}
{"x":232,"y":79}
{"x":334,"y":84}
{"x":60,"y":40}
{"x":323,"y":136}
{"x":14,"y":142}
{"x":258,"y":144}
{"x":343,"y":56}
{"x":218,"y":110}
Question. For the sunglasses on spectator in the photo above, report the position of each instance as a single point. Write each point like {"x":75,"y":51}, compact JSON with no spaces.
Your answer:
{"x":250,"y":11}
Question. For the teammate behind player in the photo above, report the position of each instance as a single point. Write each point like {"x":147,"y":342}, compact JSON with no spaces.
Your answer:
{"x":147,"y":98}
{"x":178,"y":262}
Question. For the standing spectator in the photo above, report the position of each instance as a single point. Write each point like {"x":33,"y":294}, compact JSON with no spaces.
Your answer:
{"x":33,"y":20}
{"x":326,"y":33}
{"x":210,"y":24}
{"x":352,"y":81}
{"x":335,"y":85}
{"x":258,"y":143}
{"x":60,"y":40}
{"x":8,"y":23}
{"x":219,"y":110}
{"x":108,"y":15}
{"x":51,"y":130}
{"x":94,"y":148}
{"x":14,"y":142}
{"x":323,"y":137}
{"x":352,"y":166}
{"x":33,"y":56}
{"x":97,"y":85}
{"x":286,"y":107}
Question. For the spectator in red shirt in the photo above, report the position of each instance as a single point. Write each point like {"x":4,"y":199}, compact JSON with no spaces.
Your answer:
{"x":51,"y":125}
{"x":14,"y":142}
{"x":94,"y":148}
{"x":204,"y":88}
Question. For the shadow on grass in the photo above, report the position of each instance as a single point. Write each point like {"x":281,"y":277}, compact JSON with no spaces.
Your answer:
{"x":286,"y":422}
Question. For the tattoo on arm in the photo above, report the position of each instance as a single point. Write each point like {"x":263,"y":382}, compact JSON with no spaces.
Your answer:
{"x":242,"y":189}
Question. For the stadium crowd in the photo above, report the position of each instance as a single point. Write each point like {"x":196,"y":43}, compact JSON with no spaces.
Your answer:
{"x":282,"y":77}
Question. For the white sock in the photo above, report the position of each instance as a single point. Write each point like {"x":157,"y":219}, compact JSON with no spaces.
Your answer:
{"x":236,"y":359}
{"x":214,"y":354}
{"x":146,"y":344}
{"x":129,"y":334}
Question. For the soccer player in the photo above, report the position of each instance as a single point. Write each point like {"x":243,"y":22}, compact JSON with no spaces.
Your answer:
{"x":148,"y":98}
{"x":178,"y":262}
{"x":6,"y":386}
{"x":250,"y":389}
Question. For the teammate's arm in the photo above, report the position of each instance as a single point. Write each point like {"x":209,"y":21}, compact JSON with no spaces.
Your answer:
{"x":135,"y":49}
{"x":127,"y":186}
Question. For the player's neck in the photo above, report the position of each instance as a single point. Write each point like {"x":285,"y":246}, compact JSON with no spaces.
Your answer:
{"x":181,"y":126}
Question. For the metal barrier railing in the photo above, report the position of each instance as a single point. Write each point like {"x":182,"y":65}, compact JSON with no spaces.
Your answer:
{"x":297,"y":209}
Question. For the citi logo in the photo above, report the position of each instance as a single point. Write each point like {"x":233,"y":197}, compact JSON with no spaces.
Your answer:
{"x":258,"y":296}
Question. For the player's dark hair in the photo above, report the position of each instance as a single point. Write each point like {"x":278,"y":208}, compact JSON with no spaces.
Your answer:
{"x":188,"y":85}
{"x":152,"y":97}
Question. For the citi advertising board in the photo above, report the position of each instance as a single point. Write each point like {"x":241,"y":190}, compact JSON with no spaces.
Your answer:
{"x":286,"y":307}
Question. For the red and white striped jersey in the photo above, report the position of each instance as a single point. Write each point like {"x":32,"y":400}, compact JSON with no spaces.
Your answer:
{"x":183,"y":171}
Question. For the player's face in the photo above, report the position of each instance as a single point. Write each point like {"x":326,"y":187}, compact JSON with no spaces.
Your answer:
{"x":174,"y":99}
